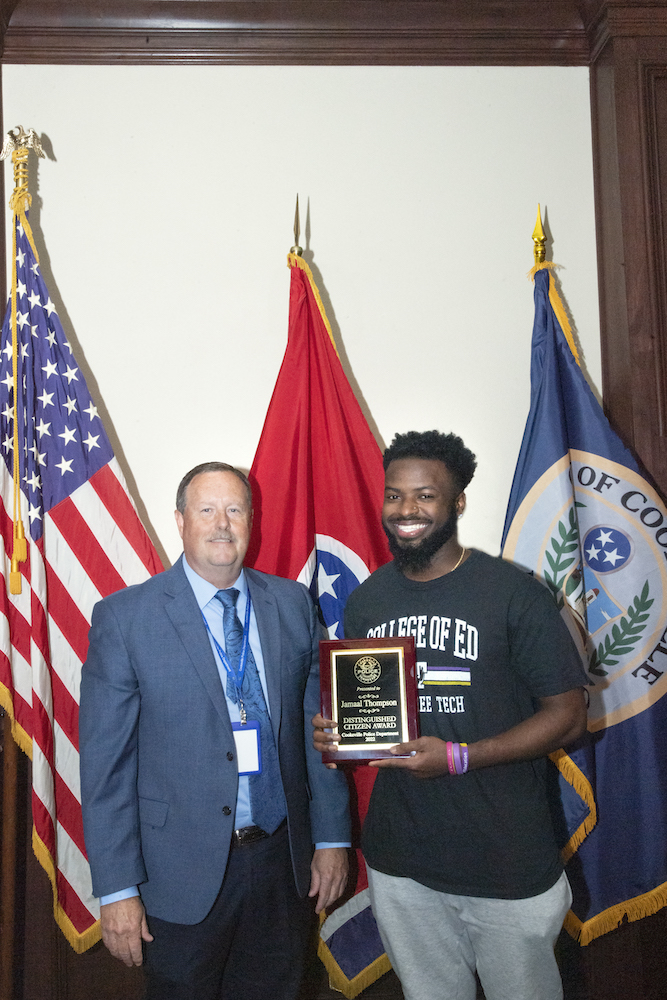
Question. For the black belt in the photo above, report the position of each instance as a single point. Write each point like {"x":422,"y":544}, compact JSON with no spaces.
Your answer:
{"x":251,"y":834}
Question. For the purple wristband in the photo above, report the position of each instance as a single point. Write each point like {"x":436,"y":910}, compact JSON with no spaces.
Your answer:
{"x":450,"y":758}
{"x":464,"y":757}
{"x":456,"y":753}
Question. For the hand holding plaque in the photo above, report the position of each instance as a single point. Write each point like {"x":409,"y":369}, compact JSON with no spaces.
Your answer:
{"x":369,"y":689}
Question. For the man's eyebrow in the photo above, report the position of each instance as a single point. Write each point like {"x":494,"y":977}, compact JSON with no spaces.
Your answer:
{"x":416,"y":489}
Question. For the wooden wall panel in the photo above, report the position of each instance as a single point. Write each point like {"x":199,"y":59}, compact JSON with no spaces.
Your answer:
{"x":655,"y":87}
{"x":629,"y":103}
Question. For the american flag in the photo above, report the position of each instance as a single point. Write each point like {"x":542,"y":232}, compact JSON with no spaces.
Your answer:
{"x":84,"y":540}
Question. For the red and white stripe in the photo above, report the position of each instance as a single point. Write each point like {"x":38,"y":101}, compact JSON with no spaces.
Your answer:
{"x":93,"y":544}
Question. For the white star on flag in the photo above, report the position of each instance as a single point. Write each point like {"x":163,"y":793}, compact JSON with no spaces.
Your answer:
{"x":325,"y":582}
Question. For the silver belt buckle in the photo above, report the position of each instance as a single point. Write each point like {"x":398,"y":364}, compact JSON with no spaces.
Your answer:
{"x":249,"y":835}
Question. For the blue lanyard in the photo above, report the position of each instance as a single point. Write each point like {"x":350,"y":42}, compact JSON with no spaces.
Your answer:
{"x":237,"y":674}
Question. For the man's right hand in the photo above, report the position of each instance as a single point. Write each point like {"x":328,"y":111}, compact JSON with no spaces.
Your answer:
{"x":325,"y":736}
{"x":123,"y":929}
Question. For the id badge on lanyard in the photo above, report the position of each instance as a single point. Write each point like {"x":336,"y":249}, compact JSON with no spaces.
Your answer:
{"x":248,"y":747}
{"x":246,"y":732}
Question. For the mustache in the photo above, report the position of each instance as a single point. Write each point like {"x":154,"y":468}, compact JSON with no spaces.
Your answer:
{"x":409,"y":520}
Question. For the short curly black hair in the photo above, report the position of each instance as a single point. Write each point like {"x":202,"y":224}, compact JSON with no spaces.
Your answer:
{"x":446,"y":448}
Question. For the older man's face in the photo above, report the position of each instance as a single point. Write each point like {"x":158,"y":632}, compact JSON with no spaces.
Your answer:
{"x":215,"y":526}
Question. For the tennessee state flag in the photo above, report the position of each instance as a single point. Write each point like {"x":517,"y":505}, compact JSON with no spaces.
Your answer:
{"x":318,"y":485}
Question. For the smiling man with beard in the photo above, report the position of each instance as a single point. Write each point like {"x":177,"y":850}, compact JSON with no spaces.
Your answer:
{"x":463,"y":867}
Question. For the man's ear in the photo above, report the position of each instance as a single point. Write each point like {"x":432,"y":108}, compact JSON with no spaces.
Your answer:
{"x":179,"y":522}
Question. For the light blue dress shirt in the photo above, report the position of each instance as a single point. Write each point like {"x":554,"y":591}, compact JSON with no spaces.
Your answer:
{"x":213,"y":610}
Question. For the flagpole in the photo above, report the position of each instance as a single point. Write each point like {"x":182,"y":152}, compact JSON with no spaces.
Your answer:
{"x":18,"y":142}
{"x":296,"y":249}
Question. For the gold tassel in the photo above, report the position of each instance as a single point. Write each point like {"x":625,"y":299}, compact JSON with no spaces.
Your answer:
{"x":20,"y":545}
{"x":15,"y":578}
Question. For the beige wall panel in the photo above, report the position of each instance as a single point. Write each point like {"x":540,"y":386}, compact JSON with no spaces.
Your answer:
{"x":165,"y":210}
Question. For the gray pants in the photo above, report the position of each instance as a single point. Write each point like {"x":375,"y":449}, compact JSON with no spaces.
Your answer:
{"x":436,"y":941}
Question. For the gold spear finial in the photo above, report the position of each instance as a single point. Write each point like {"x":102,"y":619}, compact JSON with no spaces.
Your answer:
{"x":297,"y":231}
{"x":539,"y":239}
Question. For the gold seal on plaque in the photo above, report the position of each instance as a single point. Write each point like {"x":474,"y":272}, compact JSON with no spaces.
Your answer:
{"x":367,"y":670}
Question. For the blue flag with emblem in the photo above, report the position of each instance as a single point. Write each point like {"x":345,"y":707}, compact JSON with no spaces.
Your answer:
{"x":583,"y":517}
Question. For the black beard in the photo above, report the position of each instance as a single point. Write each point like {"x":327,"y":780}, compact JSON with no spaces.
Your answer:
{"x":414,"y":558}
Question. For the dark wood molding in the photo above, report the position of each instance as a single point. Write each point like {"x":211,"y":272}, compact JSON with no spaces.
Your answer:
{"x":626,"y":20}
{"x":386,"y":32}
{"x":629,"y":106}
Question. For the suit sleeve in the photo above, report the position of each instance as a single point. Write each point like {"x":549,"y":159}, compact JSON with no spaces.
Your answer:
{"x":108,"y":725}
{"x":329,"y":805}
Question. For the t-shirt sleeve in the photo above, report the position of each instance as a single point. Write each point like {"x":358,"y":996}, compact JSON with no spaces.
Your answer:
{"x":542,"y":649}
{"x":352,"y":624}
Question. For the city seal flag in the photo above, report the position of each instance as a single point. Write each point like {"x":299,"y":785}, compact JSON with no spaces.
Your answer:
{"x":317,"y":488}
{"x":586,"y":521}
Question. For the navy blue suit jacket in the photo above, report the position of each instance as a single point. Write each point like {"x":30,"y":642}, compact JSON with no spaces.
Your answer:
{"x":158,"y":759}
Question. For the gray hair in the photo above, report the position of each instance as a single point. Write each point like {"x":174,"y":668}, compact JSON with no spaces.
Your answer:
{"x":181,"y":492}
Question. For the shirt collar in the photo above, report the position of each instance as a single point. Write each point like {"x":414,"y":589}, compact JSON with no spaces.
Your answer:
{"x":205,"y":591}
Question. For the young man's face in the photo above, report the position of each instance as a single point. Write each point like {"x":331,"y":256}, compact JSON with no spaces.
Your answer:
{"x":420,"y":510}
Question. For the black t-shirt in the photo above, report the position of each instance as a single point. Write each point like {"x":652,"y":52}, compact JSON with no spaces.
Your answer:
{"x":489,"y":642}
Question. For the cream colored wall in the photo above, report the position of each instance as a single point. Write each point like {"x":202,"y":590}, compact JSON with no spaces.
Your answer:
{"x":164,"y":214}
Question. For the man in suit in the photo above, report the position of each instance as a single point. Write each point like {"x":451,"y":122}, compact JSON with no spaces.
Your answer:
{"x":201,"y":855}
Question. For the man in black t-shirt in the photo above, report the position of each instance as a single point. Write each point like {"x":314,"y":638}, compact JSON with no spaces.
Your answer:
{"x":463,"y":866}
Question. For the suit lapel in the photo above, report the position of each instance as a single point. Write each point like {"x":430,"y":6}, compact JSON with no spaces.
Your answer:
{"x":182,"y":609}
{"x":268,"y":626}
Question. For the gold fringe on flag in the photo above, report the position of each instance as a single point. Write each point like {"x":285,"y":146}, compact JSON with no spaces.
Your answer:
{"x":539,"y":252}
{"x":350,"y":988}
{"x":80,"y":942}
{"x":293,"y":260}
{"x":19,"y":734}
{"x":557,"y":305}
{"x":609,"y":920}
{"x":582,"y":787}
